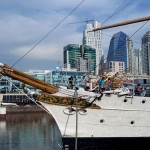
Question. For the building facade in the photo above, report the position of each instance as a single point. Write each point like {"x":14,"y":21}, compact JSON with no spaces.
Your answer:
{"x":82,"y":58}
{"x":58,"y":77}
{"x":130,"y":54}
{"x":118,"y":49}
{"x":115,"y":66}
{"x":133,"y":58}
{"x":145,"y":50}
{"x":89,"y":54}
{"x":136,"y":62}
{"x":71,"y":56}
{"x":94,"y":39}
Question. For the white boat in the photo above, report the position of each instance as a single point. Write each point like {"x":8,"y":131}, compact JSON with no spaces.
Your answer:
{"x":120,"y":121}
{"x":114,"y":122}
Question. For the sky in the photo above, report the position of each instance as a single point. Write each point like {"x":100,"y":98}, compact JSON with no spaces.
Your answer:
{"x":34,"y":32}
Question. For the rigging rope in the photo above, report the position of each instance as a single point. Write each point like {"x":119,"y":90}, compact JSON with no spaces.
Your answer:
{"x":118,"y":10}
{"x":27,"y":96}
{"x":48,"y":33}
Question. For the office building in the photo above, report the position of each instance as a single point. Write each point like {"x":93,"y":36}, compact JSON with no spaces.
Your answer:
{"x":115,"y":66}
{"x":118,"y":49}
{"x":94,"y":39}
{"x":136,"y":62}
{"x":146,"y":53}
{"x":79,"y":57}
{"x":71,"y":55}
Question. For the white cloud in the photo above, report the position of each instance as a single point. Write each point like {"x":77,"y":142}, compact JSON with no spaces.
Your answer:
{"x":24,"y":23}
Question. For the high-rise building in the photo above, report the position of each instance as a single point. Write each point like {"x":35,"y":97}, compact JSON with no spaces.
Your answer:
{"x":130,"y":65}
{"x":118,"y":49}
{"x":146,"y":53}
{"x":94,"y":39}
{"x":136,"y":59}
{"x":89,"y":54}
{"x":82,"y":58}
{"x":140,"y":61}
{"x":72,"y":54}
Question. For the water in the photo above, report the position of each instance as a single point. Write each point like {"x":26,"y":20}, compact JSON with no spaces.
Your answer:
{"x":30,"y":131}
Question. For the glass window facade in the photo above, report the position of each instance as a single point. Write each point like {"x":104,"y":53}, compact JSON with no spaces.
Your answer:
{"x":73,"y":54}
{"x":60,"y":78}
{"x":118,"y":48}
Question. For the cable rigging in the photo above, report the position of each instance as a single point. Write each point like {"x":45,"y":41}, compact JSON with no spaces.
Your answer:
{"x":118,"y":10}
{"x":48,"y":33}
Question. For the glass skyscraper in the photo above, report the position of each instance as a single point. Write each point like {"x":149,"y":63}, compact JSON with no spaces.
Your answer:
{"x":146,"y":53}
{"x":90,"y":55}
{"x":118,"y":49}
{"x":72,"y":54}
{"x":80,"y":57}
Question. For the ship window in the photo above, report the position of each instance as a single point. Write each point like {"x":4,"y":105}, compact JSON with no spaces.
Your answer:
{"x":125,"y":100}
{"x":132,"y":122}
{"x":143,"y":101}
{"x":102,"y":121}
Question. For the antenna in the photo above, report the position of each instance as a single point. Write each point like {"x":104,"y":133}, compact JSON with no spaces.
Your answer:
{"x":87,"y":21}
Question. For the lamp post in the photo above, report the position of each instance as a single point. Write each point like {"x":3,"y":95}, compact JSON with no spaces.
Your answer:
{"x":76,"y":139}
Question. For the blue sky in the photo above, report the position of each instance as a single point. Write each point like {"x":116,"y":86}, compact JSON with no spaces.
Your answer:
{"x":24,"y":23}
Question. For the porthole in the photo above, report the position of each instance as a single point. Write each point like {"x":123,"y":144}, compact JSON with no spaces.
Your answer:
{"x":143,"y":101}
{"x":125,"y":100}
{"x":132,"y":122}
{"x":102,"y":121}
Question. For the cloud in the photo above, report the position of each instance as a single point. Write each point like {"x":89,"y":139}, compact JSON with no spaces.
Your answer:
{"x":24,"y":23}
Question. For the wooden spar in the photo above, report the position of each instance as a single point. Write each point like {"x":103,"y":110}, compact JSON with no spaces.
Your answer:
{"x":122,"y":23}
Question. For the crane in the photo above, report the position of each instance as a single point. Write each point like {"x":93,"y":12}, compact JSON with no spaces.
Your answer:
{"x":87,"y":21}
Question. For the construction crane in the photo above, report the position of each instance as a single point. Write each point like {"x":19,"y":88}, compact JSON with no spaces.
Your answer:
{"x":87,"y":21}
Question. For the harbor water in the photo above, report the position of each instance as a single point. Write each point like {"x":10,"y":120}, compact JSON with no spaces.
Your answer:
{"x":29,"y":131}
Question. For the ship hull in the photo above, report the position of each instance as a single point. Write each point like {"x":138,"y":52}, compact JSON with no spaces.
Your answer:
{"x":121,"y":123}
{"x":106,"y":143}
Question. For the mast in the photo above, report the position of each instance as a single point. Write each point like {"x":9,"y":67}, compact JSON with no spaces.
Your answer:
{"x":122,"y":23}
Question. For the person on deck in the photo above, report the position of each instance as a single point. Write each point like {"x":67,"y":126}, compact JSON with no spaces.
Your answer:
{"x":30,"y":93}
{"x":102,"y":84}
{"x":87,"y":86}
{"x":70,"y":83}
{"x":109,"y":84}
{"x":138,"y":90}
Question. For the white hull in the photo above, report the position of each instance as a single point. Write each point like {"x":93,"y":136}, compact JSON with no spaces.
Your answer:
{"x":118,"y":117}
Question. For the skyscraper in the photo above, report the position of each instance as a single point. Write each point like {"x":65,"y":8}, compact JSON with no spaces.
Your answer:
{"x":146,"y":53}
{"x":82,"y":58}
{"x":130,"y":56}
{"x":136,"y":62}
{"x":94,"y":40}
{"x":118,"y":49}
{"x":89,"y":54}
{"x":72,"y":53}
